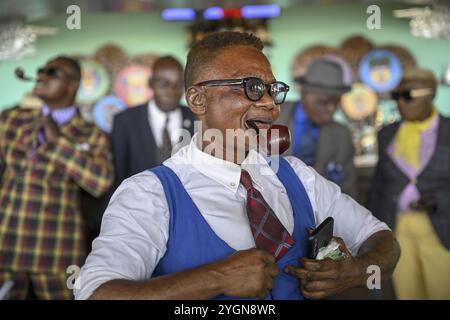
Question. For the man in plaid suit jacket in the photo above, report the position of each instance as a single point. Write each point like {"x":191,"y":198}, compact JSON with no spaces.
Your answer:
{"x":46,"y":156}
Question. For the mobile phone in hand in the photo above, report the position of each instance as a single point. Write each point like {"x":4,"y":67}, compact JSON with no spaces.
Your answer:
{"x":320,"y":237}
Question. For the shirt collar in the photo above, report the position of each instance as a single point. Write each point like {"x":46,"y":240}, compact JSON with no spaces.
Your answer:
{"x":159,"y":116}
{"x":225,"y":172}
{"x":60,"y":116}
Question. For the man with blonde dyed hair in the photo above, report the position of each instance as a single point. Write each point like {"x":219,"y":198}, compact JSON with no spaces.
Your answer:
{"x":411,"y":188}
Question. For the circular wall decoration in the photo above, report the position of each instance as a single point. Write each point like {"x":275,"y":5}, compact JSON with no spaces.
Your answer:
{"x":353,"y":49}
{"x":110,"y":53}
{"x":104,"y":111}
{"x":381,"y":70}
{"x":131,"y":85}
{"x":360,"y":102}
{"x":113,"y":58}
{"x":304,"y":58}
{"x":147,"y":59}
{"x":403,"y":54}
{"x":94,"y":82}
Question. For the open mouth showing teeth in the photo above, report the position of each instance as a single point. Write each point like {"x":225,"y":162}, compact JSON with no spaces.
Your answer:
{"x":257,"y":124}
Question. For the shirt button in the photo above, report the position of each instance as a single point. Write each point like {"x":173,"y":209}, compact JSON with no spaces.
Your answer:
{"x":232,"y":184}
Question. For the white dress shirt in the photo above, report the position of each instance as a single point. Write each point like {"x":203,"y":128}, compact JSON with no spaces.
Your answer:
{"x":135,"y":226}
{"x":157,"y":120}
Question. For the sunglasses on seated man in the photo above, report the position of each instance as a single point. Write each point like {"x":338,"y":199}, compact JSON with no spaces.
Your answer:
{"x":411,"y":94}
{"x":254,"y":88}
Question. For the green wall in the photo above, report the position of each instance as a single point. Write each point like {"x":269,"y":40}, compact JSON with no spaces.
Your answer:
{"x":297,"y":28}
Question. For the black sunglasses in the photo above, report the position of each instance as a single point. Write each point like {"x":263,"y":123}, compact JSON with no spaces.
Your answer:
{"x":409,"y":95}
{"x":50,"y":71}
{"x":254,"y":88}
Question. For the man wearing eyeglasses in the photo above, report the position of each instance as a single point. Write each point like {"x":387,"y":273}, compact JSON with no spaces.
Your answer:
{"x":411,"y":188}
{"x":210,"y":224}
{"x":144,"y":136}
{"x":46,"y":157}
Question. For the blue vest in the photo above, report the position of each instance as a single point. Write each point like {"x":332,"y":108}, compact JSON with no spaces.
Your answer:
{"x":193,"y":243}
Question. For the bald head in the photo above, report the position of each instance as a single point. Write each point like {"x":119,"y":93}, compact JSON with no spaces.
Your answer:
{"x":167,"y":83}
{"x":72,"y":65}
{"x":166,"y":62}
{"x":57,"y":85}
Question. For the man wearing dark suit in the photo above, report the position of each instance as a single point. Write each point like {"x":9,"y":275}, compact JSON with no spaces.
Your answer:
{"x":144,"y":136}
{"x":317,"y":139}
{"x":411,"y":189}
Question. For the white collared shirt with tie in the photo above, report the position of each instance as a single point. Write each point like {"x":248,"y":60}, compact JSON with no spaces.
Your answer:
{"x":135,"y":226}
{"x":157,"y":120}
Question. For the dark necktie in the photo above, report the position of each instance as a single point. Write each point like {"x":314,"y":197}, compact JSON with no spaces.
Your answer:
{"x":41,"y":134}
{"x":166,"y":147}
{"x":268,"y":232}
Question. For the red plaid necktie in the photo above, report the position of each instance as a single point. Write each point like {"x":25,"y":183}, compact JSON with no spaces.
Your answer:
{"x":268,"y":232}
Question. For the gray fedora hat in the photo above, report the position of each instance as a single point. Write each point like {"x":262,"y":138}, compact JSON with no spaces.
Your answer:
{"x":324,"y":75}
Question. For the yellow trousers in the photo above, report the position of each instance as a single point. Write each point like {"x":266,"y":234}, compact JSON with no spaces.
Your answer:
{"x":423,"y":271}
